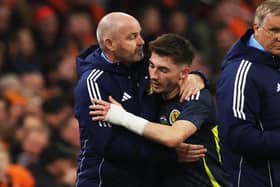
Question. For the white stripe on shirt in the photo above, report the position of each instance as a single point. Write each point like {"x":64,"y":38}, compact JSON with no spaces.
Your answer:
{"x":239,"y":88}
{"x":93,"y":90}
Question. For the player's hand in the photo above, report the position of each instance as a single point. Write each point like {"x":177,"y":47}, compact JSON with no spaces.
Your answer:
{"x":190,"y":86}
{"x":115,"y":114}
{"x":190,"y":152}
{"x":99,"y":109}
{"x":113,"y":101}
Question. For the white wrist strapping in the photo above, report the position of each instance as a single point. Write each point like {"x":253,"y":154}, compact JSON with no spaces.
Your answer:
{"x":118,"y":116}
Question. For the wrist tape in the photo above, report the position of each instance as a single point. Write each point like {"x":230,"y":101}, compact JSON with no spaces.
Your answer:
{"x":118,"y":116}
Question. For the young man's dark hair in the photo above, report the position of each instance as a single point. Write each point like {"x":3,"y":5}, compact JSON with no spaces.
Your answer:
{"x":177,"y":47}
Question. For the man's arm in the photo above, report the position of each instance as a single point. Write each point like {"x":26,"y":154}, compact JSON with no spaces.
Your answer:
{"x":239,"y":103}
{"x":112,"y":142}
{"x":170,"y":136}
{"x":195,"y":81}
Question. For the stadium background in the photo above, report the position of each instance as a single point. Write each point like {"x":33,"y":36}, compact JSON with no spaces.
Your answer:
{"x":39,"y":40}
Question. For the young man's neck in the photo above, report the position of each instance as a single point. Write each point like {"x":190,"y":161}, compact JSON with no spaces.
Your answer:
{"x":171,"y":95}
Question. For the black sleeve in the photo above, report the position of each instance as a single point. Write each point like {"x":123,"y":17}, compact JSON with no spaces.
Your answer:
{"x":197,"y":109}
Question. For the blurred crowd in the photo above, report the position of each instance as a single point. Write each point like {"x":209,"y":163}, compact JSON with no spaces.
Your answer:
{"x":39,"y":40}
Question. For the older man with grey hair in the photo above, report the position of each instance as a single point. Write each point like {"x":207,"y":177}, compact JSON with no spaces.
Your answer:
{"x":248,"y":100}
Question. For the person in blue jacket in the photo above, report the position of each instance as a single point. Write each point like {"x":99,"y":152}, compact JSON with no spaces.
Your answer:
{"x":112,"y":156}
{"x":248,"y":102}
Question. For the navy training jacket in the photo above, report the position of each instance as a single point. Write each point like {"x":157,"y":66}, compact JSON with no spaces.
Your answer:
{"x":111,"y":156}
{"x":248,"y":111}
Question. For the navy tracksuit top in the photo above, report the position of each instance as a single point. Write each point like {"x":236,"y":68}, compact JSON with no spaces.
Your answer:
{"x":248,"y":111}
{"x":111,"y":156}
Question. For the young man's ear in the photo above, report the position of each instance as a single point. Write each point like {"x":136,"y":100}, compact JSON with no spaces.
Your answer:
{"x":185,"y":71}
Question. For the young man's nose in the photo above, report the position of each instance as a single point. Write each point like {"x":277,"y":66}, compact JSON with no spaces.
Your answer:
{"x":153,"y":74}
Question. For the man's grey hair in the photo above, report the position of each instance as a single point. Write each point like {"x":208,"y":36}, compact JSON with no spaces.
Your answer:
{"x":268,"y":7}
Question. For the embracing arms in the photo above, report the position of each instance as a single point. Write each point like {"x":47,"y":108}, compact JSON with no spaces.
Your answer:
{"x":170,"y":136}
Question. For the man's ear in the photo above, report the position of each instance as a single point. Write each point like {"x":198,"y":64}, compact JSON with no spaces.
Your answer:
{"x":109,"y":44}
{"x":256,"y":26}
{"x":185,"y":71}
{"x":257,"y":32}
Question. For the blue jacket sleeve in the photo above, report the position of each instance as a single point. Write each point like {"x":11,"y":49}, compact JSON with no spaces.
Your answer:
{"x":239,"y":105}
{"x":112,"y":142}
{"x":203,"y":76}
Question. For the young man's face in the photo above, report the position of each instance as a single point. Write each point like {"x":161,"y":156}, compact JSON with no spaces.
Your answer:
{"x":165,"y":76}
{"x":268,"y":34}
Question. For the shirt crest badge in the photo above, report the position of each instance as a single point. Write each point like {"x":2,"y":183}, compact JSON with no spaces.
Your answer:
{"x":174,"y":114}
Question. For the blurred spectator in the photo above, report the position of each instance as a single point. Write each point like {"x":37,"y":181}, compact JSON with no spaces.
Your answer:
{"x":61,"y":78}
{"x":49,"y":41}
{"x":7,"y":135}
{"x":23,"y":128}
{"x":150,"y":20}
{"x":178,"y":22}
{"x":28,"y":123}
{"x":13,"y":175}
{"x":23,"y":52}
{"x":9,"y":81}
{"x":224,"y":38}
{"x":34,"y":105}
{"x":70,"y":132}
{"x":56,"y":110}
{"x":55,"y":167}
{"x":80,"y":30}
{"x":23,"y":94}
{"x":3,"y":51}
{"x":237,"y":14}
{"x":5,"y":21}
{"x":46,"y":25}
{"x":11,"y":89}
{"x":67,"y":69}
{"x":95,"y":8}
{"x":33,"y":142}
{"x":3,"y":110}
{"x":33,"y":82}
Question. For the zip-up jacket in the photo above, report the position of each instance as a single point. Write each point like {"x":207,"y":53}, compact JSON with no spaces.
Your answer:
{"x":111,"y":156}
{"x":248,"y":111}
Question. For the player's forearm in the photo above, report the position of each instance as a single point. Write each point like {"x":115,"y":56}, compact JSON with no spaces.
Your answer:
{"x":163,"y":134}
{"x":170,"y":136}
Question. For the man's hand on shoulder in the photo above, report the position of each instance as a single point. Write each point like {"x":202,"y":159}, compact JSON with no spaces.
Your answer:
{"x":191,"y":86}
